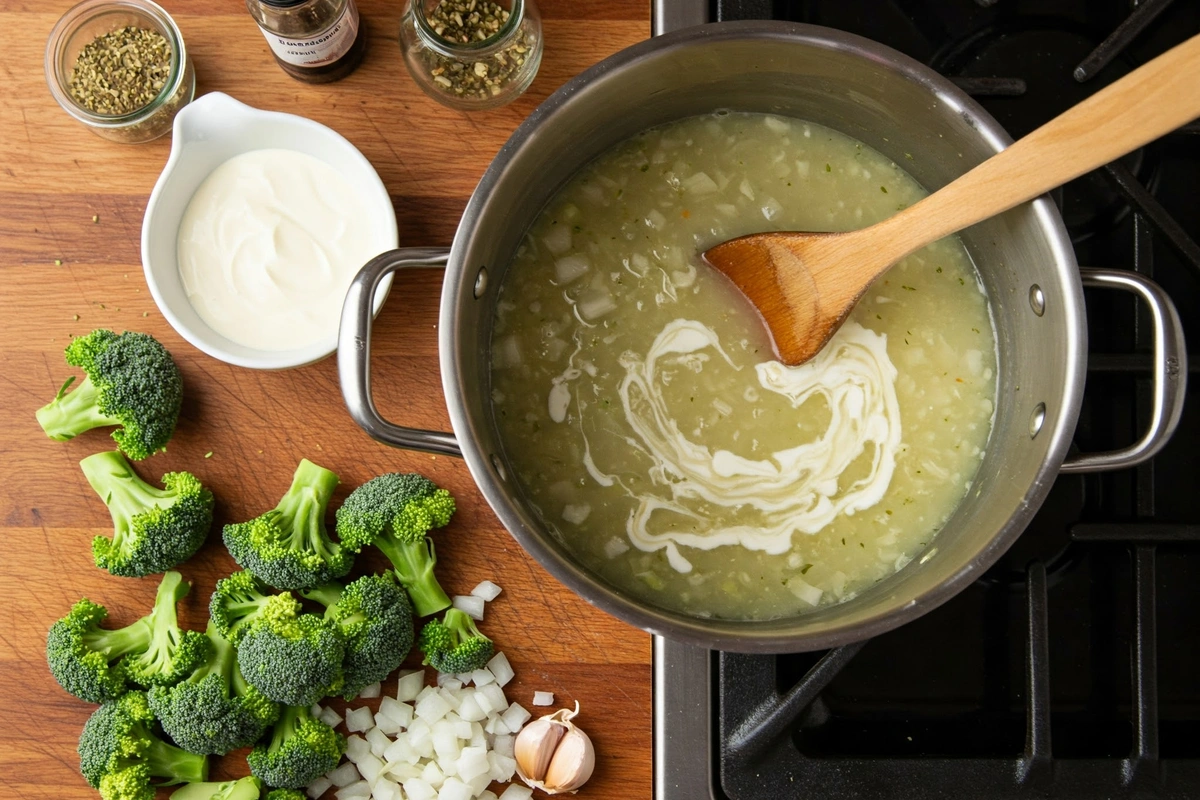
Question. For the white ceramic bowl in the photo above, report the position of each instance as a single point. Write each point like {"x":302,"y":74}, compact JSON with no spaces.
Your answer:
{"x":208,"y":132}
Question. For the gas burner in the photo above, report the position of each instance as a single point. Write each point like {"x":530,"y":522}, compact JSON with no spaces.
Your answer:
{"x":1042,"y":55}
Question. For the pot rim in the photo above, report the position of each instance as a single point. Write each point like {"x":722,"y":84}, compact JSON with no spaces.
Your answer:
{"x":746,"y":635}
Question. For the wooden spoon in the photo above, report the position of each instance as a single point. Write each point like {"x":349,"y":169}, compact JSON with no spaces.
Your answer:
{"x":806,"y":284}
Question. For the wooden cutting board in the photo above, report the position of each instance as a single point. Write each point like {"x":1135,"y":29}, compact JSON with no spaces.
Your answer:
{"x":68,"y":196}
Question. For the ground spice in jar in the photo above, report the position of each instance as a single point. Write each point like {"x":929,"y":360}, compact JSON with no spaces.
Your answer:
{"x":472,"y":21}
{"x":121,"y":71}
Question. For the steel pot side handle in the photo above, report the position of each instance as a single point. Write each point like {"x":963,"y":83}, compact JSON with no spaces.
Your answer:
{"x":1169,"y":372}
{"x":354,"y":351}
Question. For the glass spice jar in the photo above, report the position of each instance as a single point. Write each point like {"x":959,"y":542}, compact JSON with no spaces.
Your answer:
{"x":316,"y":41}
{"x":152,"y":106}
{"x":472,"y":54}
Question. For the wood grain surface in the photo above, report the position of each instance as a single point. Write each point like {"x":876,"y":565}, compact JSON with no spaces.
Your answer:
{"x":55,"y":177}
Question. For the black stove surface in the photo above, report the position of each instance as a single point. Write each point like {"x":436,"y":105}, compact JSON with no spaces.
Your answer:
{"x":1072,"y":669}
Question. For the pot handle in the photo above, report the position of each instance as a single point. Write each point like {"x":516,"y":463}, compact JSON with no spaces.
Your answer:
{"x":1170,"y":372}
{"x":354,"y":351}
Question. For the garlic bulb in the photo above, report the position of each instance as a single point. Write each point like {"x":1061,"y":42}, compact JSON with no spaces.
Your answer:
{"x":553,"y":755}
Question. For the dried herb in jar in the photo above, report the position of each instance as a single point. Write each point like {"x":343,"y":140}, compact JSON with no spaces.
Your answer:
{"x":459,"y":22}
{"x":121,"y":71}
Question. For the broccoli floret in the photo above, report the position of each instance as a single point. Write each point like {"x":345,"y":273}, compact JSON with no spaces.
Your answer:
{"x":130,"y":381}
{"x":292,"y":658}
{"x":288,"y":546}
{"x":153,"y":529}
{"x":454,"y":644}
{"x":95,"y":663}
{"x":236,"y":603}
{"x":120,"y":754}
{"x":376,"y":622}
{"x":286,"y":794}
{"x":301,"y":750}
{"x":394,"y":512}
{"x":247,"y":788}
{"x":214,"y":710}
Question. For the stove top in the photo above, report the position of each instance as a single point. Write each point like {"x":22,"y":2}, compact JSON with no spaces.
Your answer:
{"x":1070,"y":670}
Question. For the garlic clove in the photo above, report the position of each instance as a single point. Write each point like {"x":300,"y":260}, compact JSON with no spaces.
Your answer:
{"x":553,"y":755}
{"x":535,"y":746}
{"x":573,"y":762}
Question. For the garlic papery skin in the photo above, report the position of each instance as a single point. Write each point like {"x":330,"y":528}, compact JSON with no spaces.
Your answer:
{"x":553,"y":754}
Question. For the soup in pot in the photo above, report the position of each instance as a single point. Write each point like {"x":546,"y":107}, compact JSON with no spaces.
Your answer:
{"x":644,"y":415}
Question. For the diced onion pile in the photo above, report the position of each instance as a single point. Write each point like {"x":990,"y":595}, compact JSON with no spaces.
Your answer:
{"x":443,"y":742}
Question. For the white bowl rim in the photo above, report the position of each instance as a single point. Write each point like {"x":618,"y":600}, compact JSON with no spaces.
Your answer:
{"x":205,"y":339}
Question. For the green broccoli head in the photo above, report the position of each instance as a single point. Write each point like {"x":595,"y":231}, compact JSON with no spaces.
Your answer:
{"x":394,"y":512}
{"x":301,"y":749}
{"x":214,"y":710}
{"x":247,"y":788}
{"x":153,"y":529}
{"x":288,"y":547}
{"x":120,"y":754}
{"x":286,"y":794}
{"x":376,"y":623}
{"x":292,"y":658}
{"x":454,"y":644}
{"x":236,"y":603}
{"x":95,"y":664}
{"x":131,"y":381}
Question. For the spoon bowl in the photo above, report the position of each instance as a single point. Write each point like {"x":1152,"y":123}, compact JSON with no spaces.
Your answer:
{"x":806,"y":284}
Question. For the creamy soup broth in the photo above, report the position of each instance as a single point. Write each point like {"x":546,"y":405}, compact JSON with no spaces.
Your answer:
{"x":645,"y":418}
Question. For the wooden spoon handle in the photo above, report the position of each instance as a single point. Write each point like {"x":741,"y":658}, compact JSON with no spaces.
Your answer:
{"x":1149,"y":102}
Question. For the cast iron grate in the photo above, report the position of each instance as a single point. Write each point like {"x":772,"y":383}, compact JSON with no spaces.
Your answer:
{"x":1069,"y":670}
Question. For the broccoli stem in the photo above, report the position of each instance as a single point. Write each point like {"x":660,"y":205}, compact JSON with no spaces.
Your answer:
{"x":71,"y":413}
{"x":164,"y":621}
{"x":168,"y":761}
{"x":414,"y":563}
{"x":289,"y":719}
{"x":304,"y":506}
{"x":122,"y":490}
{"x":327,"y":595}
{"x":114,"y":644}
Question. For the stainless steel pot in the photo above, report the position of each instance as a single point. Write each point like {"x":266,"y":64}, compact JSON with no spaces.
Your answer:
{"x":900,"y":108}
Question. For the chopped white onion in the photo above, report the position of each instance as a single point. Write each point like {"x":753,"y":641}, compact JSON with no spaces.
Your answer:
{"x":470,"y":604}
{"x":805,"y":591}
{"x":501,"y":767}
{"x":330,"y":717}
{"x":472,"y":762}
{"x":410,"y":685}
{"x":482,"y":677}
{"x":451,"y":696}
{"x":359,"y":720}
{"x":393,"y":709}
{"x":487,"y":795}
{"x":448,"y":679}
{"x":369,"y":767}
{"x":379,"y":743}
{"x":318,"y":787}
{"x":385,"y":725}
{"x":699,"y":183}
{"x":487,"y":590}
{"x":401,"y":752}
{"x":570,"y":268}
{"x":385,"y":790}
{"x":371,"y":691}
{"x":315,"y":710}
{"x":500,"y":667}
{"x":514,"y":717}
{"x":454,"y":789}
{"x":418,"y":789}
{"x":543,"y":698}
{"x":493,"y":696}
{"x":360,"y":789}
{"x":344,"y":775}
{"x":432,"y":707}
{"x":576,"y":513}
{"x":558,"y":239}
{"x":504,"y":745}
{"x":356,"y":748}
{"x":615,"y":547}
{"x":470,"y":709}
{"x":516,"y":791}
{"x":594,"y":304}
{"x":433,"y":775}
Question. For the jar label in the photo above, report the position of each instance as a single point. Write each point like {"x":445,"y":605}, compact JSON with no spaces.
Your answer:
{"x":324,"y":48}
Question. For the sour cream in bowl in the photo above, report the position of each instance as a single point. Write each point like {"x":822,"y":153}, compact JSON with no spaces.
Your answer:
{"x":255,"y":229}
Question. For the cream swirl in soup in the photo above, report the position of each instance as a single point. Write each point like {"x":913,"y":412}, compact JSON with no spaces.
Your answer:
{"x":647,"y":421}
